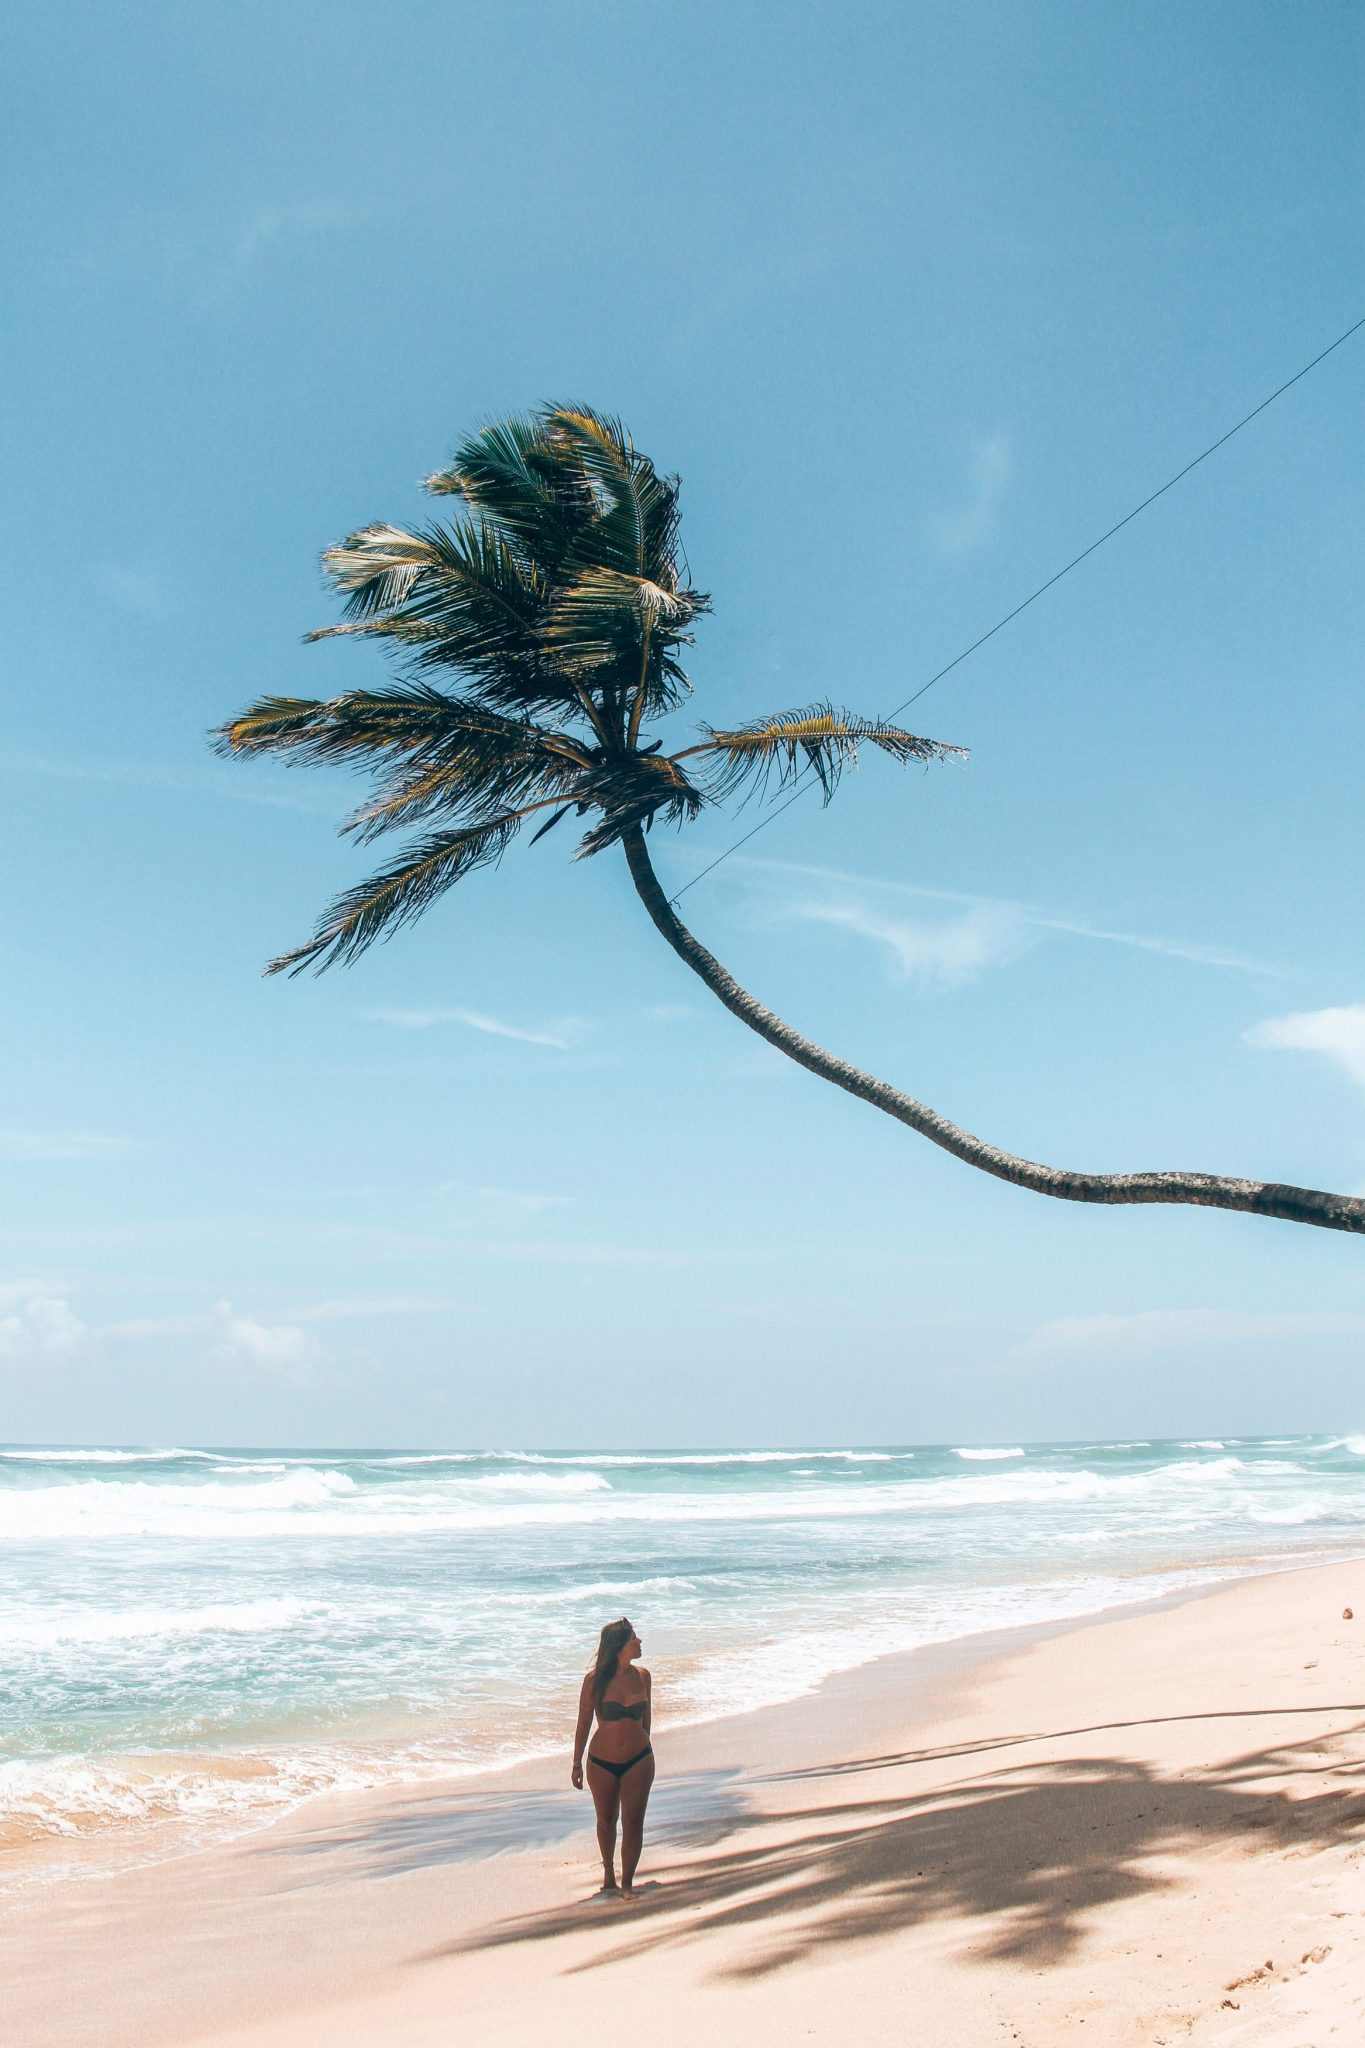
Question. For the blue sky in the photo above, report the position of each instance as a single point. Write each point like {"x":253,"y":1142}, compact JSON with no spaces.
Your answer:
{"x":917,"y":301}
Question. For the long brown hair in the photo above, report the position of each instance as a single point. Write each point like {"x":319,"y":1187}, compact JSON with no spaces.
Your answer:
{"x":610,"y":1644}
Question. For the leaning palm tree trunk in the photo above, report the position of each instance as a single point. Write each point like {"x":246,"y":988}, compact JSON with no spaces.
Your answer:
{"x":543,"y":631}
{"x":1205,"y":1190}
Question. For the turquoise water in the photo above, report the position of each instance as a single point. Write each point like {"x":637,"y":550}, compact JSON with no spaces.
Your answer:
{"x":210,"y":1635}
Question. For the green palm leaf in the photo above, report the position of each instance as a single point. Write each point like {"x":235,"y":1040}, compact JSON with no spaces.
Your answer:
{"x":477,"y":772}
{"x":619,"y":627}
{"x":462,"y":598}
{"x":636,"y":525}
{"x":514,"y":475}
{"x":408,"y":719}
{"x":379,"y":907}
{"x":621,"y":613}
{"x":632,"y":792}
{"x":817,"y":740}
{"x":434,"y":754}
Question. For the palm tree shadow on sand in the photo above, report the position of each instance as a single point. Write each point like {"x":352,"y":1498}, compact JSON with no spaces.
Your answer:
{"x":1032,"y":1856}
{"x":423,"y":1832}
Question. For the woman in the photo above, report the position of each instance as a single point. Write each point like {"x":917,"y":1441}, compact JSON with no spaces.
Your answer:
{"x":620,"y":1762}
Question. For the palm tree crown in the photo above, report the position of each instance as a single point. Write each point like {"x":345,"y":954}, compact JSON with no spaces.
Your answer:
{"x":540,"y":636}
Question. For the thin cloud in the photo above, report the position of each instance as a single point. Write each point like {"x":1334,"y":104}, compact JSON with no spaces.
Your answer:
{"x":990,"y":466}
{"x":951,"y":951}
{"x":1023,"y":917}
{"x":277,"y":1348}
{"x":1155,"y":1330}
{"x":285,"y":1352}
{"x":137,"y":590}
{"x":1338,"y":1034}
{"x":273,"y":225}
{"x":476,"y":1020}
{"x":357,"y":1307}
{"x":141,"y":1329}
{"x":27,"y":1147}
{"x":1174,"y":949}
{"x":209,"y":255}
{"x":557,"y":1254}
{"x":37,"y":1328}
{"x":201,"y":782}
{"x":527,"y":1199}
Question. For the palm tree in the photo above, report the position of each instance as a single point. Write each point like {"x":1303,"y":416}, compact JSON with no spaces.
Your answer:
{"x":541,"y":634}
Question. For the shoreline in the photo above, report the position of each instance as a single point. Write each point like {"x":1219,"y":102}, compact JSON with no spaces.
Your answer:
{"x":777,"y":1874}
{"x":232,"y":1653}
{"x":113,"y":1847}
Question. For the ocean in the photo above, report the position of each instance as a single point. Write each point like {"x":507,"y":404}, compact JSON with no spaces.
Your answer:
{"x":192,"y":1641}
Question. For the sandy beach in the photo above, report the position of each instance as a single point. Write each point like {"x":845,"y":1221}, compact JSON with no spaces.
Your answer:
{"x":1152,"y":1826}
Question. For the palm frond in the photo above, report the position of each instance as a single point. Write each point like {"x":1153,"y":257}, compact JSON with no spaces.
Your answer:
{"x":459,"y":597}
{"x":606,"y":619}
{"x":558,"y":601}
{"x":433,"y":754}
{"x":635,"y":529}
{"x":376,"y":569}
{"x":818,"y":740}
{"x":477,"y":772}
{"x":407,"y":719}
{"x":510,"y":472}
{"x":379,"y":907}
{"x":636,"y":790}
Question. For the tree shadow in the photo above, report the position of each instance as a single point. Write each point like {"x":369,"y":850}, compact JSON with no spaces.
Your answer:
{"x":894,"y":1759}
{"x":421,"y":1833}
{"x":1032,"y":1857}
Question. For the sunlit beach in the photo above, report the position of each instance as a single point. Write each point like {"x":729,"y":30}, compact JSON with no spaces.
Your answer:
{"x":204,"y":1639}
{"x":681,"y":1309}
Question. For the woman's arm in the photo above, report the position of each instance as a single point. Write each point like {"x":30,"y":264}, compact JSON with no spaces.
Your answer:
{"x":648,"y":1720}
{"x":580,"y":1737}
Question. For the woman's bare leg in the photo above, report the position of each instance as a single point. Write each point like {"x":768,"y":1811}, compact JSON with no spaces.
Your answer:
{"x":634,"y":1799}
{"x":606,"y":1797}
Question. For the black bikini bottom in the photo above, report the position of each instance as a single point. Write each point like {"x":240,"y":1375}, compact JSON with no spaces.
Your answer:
{"x":618,"y":1771}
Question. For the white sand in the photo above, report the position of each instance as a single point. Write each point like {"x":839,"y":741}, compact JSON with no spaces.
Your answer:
{"x":1152,"y":1828}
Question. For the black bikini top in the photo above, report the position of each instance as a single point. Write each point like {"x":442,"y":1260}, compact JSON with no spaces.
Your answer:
{"x":616,"y":1710}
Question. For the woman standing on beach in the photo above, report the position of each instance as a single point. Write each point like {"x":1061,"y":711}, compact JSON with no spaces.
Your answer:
{"x":621,"y":1762}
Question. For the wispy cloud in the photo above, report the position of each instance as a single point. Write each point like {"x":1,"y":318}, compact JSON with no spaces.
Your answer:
{"x":360,"y":1307}
{"x":278,"y":1351}
{"x":1338,"y":1034}
{"x":1173,"y":949}
{"x":133,"y":589}
{"x":24,"y":1147}
{"x":39,"y":1325}
{"x":555,"y":1253}
{"x":231,"y":782}
{"x":269,"y":227}
{"x":952,"y":950}
{"x":208,"y":254}
{"x":37,"y":1328}
{"x":562,"y":1038}
{"x":1155,"y":1330}
{"x":990,"y":465}
{"x":526,"y":1200}
{"x":988,"y":931}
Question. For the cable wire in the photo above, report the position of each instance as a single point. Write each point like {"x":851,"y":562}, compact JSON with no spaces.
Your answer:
{"x":805,"y":781}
